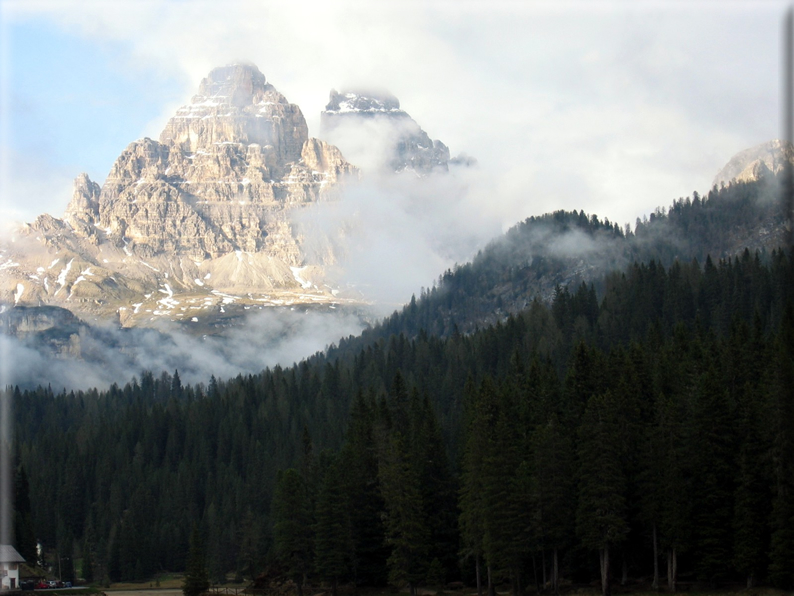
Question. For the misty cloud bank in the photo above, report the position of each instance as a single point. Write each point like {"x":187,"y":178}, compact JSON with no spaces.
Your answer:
{"x":268,"y":338}
{"x":395,"y":235}
{"x":395,"y":232}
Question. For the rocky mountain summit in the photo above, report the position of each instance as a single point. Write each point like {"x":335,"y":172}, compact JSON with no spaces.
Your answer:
{"x":754,"y":163}
{"x":225,"y":170}
{"x":398,"y":140}
{"x":200,"y":219}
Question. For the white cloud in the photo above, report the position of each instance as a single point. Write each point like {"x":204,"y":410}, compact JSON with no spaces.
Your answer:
{"x":270,"y":337}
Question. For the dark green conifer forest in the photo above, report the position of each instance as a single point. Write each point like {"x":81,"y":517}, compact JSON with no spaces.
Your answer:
{"x":639,"y":428}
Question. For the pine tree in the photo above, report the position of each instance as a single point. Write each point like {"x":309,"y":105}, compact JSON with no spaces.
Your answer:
{"x":24,"y":537}
{"x":553,"y":491}
{"x":87,"y":568}
{"x":196,"y":580}
{"x":406,"y":527}
{"x":436,"y":482}
{"x":715,"y":472}
{"x":750,"y":510}
{"x":292,"y":526}
{"x":601,"y":512}
{"x":781,"y":571}
{"x":331,"y":529}
{"x":505,"y":494}
{"x":359,"y":469}
{"x":478,"y":419}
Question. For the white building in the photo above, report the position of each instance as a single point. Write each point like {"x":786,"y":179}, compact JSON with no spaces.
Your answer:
{"x":9,"y":567}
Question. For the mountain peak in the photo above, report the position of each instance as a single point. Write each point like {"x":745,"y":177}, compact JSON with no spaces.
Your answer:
{"x":363,"y":102}
{"x":753,"y":163}
{"x":236,"y":104}
{"x":393,"y":139}
{"x":239,"y":85}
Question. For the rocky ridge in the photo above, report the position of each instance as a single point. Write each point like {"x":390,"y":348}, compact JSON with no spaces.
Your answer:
{"x":201,"y":219}
{"x":402,"y":142}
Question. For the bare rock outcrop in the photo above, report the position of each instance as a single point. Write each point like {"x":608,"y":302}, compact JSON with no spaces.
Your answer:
{"x":83,"y":210}
{"x":756,"y":162}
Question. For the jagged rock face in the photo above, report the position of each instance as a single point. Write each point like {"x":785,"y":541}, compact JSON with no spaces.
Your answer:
{"x":756,"y":162}
{"x":207,"y":208}
{"x":220,"y":178}
{"x":407,"y":146}
{"x":235,"y":104}
{"x":83,"y":210}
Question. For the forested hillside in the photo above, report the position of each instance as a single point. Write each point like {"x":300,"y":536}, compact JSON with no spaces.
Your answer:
{"x":566,"y":248}
{"x":644,"y":420}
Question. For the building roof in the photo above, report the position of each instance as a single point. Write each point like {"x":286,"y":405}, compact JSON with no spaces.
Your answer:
{"x":8,"y":554}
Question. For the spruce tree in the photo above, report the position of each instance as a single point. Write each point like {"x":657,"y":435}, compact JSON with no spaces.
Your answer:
{"x":87,"y":568}
{"x":781,"y":570}
{"x":751,"y":499}
{"x":505,"y":494}
{"x":714,"y":470}
{"x":359,"y":470}
{"x":406,"y":527}
{"x":331,"y":529}
{"x":24,"y":536}
{"x":196,"y":579}
{"x":292,"y":526}
{"x":478,"y":420}
{"x":601,"y":512}
{"x":437,"y":484}
{"x":553,"y":490}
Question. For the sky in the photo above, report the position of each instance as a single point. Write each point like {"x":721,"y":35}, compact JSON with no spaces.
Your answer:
{"x":615,"y":108}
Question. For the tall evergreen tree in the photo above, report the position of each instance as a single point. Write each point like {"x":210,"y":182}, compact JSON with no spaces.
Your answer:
{"x":292,"y":526}
{"x":196,"y":579}
{"x":505,"y":494}
{"x":714,"y":470}
{"x":781,"y":571}
{"x":478,"y":419}
{"x":601,"y":512}
{"x":359,"y":469}
{"x":750,"y":510}
{"x":331,"y":529}
{"x":406,"y":527}
{"x":553,"y":494}
{"x":87,"y":568}
{"x":24,"y":537}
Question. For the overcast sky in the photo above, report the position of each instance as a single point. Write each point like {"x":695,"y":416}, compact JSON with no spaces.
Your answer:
{"x":614,"y":108}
